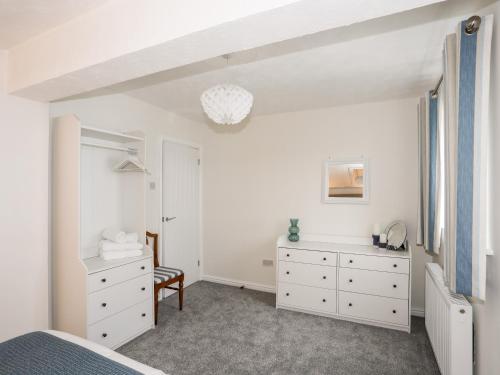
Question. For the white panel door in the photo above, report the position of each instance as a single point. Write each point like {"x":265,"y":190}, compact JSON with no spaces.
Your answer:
{"x":181,"y":209}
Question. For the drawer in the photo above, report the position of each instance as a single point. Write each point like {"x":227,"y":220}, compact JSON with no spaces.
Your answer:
{"x":103,"y":279}
{"x":307,"y":298}
{"x":375,"y":263}
{"x":382,"y":309}
{"x":116,"y":298}
{"x":116,"y":329}
{"x":308,"y":256}
{"x":308,"y":274}
{"x":384,"y":284}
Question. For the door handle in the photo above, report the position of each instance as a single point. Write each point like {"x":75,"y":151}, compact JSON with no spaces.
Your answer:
{"x":167,"y":219}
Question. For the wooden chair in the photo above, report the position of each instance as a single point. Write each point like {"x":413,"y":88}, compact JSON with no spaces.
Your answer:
{"x":165,"y":276}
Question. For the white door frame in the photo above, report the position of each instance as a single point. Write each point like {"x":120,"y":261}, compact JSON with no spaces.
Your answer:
{"x":200,"y":198}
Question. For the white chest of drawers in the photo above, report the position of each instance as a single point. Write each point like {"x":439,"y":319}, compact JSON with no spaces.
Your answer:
{"x":350,"y":281}
{"x":119,"y":299}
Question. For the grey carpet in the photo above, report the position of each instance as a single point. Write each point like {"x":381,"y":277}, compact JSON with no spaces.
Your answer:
{"x":226,"y":330}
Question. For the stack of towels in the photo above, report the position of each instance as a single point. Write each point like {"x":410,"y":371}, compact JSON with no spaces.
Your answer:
{"x":117,"y":244}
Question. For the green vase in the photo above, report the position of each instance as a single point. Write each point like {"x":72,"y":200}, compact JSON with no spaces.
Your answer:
{"x":293,"y":230}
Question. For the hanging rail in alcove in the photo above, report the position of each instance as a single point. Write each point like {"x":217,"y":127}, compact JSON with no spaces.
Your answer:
{"x":130,"y":150}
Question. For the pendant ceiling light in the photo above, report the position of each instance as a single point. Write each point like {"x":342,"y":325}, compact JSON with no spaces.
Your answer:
{"x":226,"y":104}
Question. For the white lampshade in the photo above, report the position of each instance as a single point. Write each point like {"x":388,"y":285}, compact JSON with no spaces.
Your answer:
{"x":226,"y":104}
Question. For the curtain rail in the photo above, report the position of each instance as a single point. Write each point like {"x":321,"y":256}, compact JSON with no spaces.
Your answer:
{"x":471,"y":27}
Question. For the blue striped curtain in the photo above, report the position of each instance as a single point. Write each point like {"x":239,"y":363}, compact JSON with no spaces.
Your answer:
{"x":466,"y":140}
{"x":428,"y":207}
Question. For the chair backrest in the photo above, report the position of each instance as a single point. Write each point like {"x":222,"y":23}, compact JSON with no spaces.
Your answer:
{"x":154,"y":236}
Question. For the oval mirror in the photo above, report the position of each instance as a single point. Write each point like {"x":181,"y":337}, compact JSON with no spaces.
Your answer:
{"x":396,"y":234}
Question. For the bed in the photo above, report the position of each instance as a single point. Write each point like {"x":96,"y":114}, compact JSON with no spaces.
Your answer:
{"x":55,"y":352}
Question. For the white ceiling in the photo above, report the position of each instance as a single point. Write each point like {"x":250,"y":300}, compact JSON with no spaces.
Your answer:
{"x":395,"y":56}
{"x":23,"y":19}
{"x":392,"y":57}
{"x":128,"y":39}
{"x":392,"y":65}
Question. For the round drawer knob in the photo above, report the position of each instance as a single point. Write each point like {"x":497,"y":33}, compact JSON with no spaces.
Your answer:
{"x":350,"y":260}
{"x":394,"y":311}
{"x":324,"y":300}
{"x":350,"y":304}
{"x":287,"y":294}
{"x":287,"y":255}
{"x":143,"y":268}
{"x":143,"y":315}
{"x":324,"y":258}
{"x":395,"y":265}
{"x":324,"y":277}
{"x":394,"y":286}
{"x":103,"y":280}
{"x":288,"y":272}
{"x":103,"y":304}
{"x":104,"y":335}
{"x":143,"y":288}
{"x":350,"y":280}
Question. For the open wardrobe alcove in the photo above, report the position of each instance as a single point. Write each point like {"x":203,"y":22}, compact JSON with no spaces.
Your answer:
{"x":98,"y":180}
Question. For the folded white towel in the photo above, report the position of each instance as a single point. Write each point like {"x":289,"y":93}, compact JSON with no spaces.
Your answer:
{"x":132,"y":237}
{"x":115,"y":235}
{"x":110,"y":255}
{"x":107,"y":245}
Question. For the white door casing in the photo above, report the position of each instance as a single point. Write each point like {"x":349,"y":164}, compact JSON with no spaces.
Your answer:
{"x":181,"y":209}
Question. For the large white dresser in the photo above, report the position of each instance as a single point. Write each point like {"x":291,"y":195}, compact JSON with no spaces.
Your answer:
{"x":345,"y":278}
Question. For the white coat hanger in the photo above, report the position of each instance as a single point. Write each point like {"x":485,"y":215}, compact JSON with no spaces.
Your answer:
{"x":130,"y":164}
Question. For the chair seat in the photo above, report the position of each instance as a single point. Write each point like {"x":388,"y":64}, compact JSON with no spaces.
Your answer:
{"x":163,"y":274}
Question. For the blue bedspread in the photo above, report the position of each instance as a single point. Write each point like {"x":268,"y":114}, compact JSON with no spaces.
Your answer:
{"x":40,"y":353}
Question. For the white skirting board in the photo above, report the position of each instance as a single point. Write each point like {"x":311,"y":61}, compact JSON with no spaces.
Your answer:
{"x":418,"y":312}
{"x":239,"y":283}
{"x":415,"y":311}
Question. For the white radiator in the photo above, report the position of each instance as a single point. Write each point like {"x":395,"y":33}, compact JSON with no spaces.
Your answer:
{"x":448,"y":320}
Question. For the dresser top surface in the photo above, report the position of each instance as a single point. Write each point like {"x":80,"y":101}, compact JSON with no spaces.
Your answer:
{"x":342,"y":248}
{"x":97,"y":264}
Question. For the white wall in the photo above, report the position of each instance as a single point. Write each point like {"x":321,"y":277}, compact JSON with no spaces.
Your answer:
{"x":487,"y":314}
{"x":258,"y":176}
{"x":124,"y":113}
{"x":23,"y":213}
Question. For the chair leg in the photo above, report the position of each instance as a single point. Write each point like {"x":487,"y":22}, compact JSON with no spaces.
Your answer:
{"x":181,"y":292}
{"x":156,"y":305}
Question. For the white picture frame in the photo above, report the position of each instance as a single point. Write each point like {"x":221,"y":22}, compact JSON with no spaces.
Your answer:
{"x":349,"y":164}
